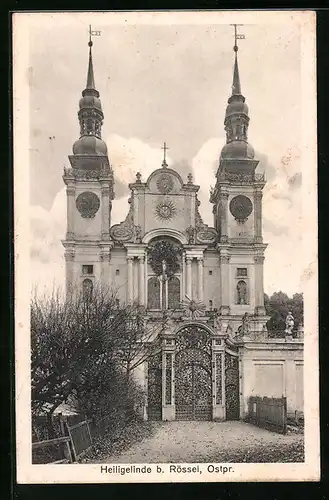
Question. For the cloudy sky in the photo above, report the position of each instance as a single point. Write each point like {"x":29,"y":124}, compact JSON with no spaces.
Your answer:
{"x":166,"y":82}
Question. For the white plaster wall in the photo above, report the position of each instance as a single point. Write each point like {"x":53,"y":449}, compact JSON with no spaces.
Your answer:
{"x":245,"y":230}
{"x":299,"y":386}
{"x":247,"y":261}
{"x":211,"y":290}
{"x":195,"y":279}
{"x":87,"y":255}
{"x":85,"y":227}
{"x":119,"y":282}
{"x":274,"y":372}
{"x":180,"y":221}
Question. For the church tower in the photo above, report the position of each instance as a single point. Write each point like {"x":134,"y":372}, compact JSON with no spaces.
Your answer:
{"x":89,"y":189}
{"x":237,"y":209}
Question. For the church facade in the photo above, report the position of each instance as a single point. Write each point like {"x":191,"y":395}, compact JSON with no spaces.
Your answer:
{"x":207,"y":282}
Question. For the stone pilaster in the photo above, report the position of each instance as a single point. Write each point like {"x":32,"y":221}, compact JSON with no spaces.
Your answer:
{"x":105,"y":211}
{"x":224,"y":216}
{"x":69,"y":274}
{"x":189,"y":276}
{"x":70,"y":197}
{"x":225,"y":283}
{"x":258,"y":216}
{"x":141,"y":283}
{"x":130,"y":280}
{"x":259,"y":285}
{"x":105,"y":268}
{"x":200,"y":278}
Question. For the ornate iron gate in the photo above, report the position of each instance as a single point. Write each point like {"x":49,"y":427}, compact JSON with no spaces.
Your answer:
{"x":232,"y":398}
{"x":193,"y":380}
{"x":155,"y":387}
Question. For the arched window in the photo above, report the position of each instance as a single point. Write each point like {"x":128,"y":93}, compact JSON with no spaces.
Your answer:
{"x":242,"y":292}
{"x":87,"y":288}
{"x":173,"y":293}
{"x":153,"y":293}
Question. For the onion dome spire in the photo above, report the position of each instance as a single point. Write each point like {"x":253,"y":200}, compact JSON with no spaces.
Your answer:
{"x":236,"y":87}
{"x":236,"y":117}
{"x":90,"y":114}
{"x":90,"y":74}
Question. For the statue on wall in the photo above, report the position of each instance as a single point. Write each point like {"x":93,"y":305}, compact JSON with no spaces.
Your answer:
{"x":164,"y":270}
{"x":190,"y":234}
{"x":242,"y":292}
{"x":245,"y":324}
{"x":290,"y":323}
{"x":218,"y":323}
{"x":138,"y":233}
{"x":229,"y":329}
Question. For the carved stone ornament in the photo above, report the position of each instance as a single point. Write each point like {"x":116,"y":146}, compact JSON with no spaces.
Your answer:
{"x":190,"y":231}
{"x":241,"y":178}
{"x":165,"y":183}
{"x":124,"y":231}
{"x":241,"y":207}
{"x":165,"y":210}
{"x":87,"y":204}
{"x":207,"y":236}
{"x":82,"y":174}
{"x":204,"y":234}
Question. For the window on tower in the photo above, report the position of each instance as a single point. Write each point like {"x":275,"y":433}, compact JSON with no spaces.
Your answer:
{"x":87,"y":289}
{"x":241,"y":272}
{"x":87,"y":269}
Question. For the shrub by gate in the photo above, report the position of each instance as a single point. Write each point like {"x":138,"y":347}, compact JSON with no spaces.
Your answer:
{"x":269,"y":413}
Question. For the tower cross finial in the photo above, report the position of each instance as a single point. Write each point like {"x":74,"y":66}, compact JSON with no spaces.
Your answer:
{"x":165,"y":149}
{"x":237,"y":36}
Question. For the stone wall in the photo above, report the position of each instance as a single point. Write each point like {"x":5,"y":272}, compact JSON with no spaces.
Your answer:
{"x":274,"y":369}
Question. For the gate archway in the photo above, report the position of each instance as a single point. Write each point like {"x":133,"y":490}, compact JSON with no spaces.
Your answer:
{"x":193,"y":374}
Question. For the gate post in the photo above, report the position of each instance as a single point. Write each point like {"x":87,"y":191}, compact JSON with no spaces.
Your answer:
{"x":168,"y":391}
{"x":218,"y":410}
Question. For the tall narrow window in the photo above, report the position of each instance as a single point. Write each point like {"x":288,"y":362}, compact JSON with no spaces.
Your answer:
{"x":153,"y":293}
{"x":87,"y":288}
{"x":173,"y":293}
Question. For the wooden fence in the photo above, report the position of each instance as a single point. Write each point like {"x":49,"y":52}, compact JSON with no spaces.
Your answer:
{"x":269,"y":413}
{"x":74,"y":440}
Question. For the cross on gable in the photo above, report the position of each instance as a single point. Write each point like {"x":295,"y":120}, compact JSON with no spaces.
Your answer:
{"x":165,"y":149}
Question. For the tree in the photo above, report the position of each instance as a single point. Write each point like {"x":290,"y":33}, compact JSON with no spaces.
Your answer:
{"x":87,"y":346}
{"x":277,"y":307}
{"x":70,"y":344}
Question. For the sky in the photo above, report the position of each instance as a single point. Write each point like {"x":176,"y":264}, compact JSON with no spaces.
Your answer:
{"x":161,"y":82}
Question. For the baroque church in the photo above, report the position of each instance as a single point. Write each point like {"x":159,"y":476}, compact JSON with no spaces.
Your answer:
{"x":207,"y":282}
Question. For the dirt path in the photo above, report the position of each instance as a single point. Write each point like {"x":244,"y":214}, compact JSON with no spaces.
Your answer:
{"x":205,"y":441}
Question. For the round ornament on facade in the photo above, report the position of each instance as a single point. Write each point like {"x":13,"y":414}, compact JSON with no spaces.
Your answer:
{"x":241,"y":207}
{"x":165,"y":183}
{"x":87,"y":204}
{"x":165,"y":210}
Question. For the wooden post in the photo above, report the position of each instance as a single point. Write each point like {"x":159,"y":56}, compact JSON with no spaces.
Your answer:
{"x":88,"y":430}
{"x":73,"y":453}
